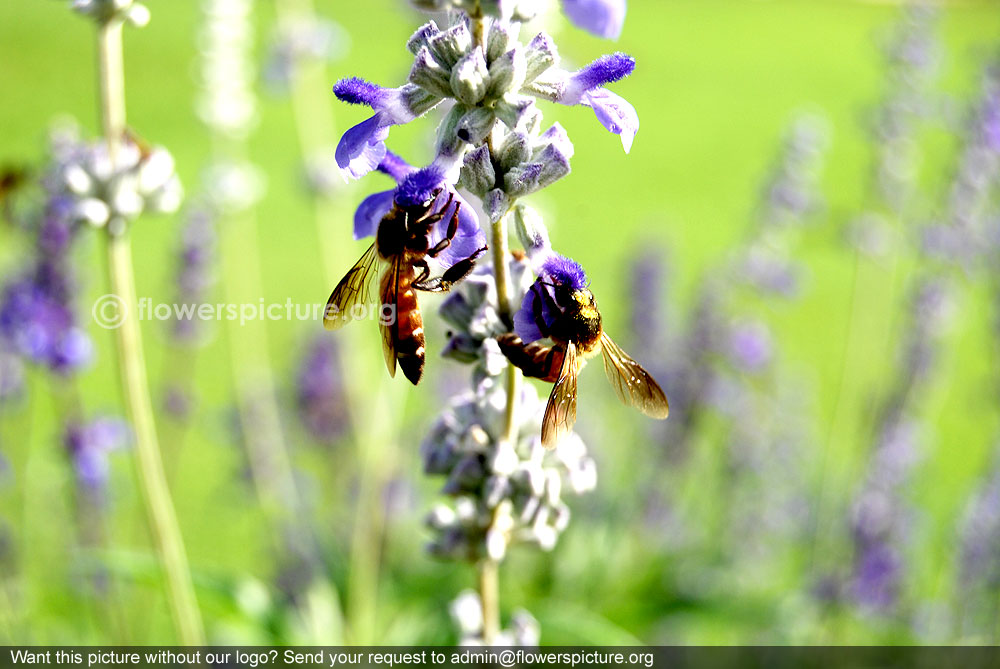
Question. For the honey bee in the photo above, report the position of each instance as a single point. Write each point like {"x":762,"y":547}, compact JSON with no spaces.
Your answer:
{"x":560,"y":306}
{"x":402,"y":244}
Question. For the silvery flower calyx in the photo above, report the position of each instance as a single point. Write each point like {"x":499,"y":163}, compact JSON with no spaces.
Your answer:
{"x":499,"y":79}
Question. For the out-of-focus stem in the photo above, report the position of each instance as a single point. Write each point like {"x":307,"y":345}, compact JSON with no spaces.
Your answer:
{"x":489,"y":595}
{"x":159,"y":505}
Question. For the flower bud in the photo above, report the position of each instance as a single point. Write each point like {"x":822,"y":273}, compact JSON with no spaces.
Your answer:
{"x":468,"y":77}
{"x":449,"y":46}
{"x":478,"y":175}
{"x":92,"y":211}
{"x":137,"y":15}
{"x":499,"y":39}
{"x":429,"y":75}
{"x":507,"y":73}
{"x":515,"y":149}
{"x":496,"y":204}
{"x":422,"y":37}
{"x":518,"y":111}
{"x":531,"y":230}
{"x":475,"y":125}
{"x":541,"y":54}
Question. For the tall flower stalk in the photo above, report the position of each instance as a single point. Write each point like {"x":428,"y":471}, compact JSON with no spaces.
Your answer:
{"x":121,"y":205}
{"x":504,"y":485}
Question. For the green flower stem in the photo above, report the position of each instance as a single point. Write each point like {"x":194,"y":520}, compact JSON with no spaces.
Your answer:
{"x":489,"y":570}
{"x":159,"y":505}
{"x":489,"y":595}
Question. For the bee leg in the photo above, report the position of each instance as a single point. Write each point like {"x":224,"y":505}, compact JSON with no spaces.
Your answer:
{"x":432,"y":218}
{"x":425,"y":272}
{"x":450,"y":233}
{"x":451,"y":276}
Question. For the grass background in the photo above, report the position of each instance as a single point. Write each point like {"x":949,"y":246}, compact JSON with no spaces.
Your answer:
{"x":716,"y":85}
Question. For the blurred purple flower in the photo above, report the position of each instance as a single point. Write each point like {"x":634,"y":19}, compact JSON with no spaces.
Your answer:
{"x":39,"y":325}
{"x":877,"y":576}
{"x":649,"y":325}
{"x":37,"y":319}
{"x":750,"y":346}
{"x":194,"y":270}
{"x":90,"y":443}
{"x":319,"y":393}
{"x":603,"y":18}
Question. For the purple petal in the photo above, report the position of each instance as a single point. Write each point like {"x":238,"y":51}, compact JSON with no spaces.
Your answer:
{"x":525,"y":325}
{"x":370,"y":212}
{"x":357,"y":91}
{"x":362,"y":147}
{"x":605,"y":70}
{"x":564,"y":271}
{"x":603,"y":18}
{"x":615,"y":114}
{"x":418,"y":188}
{"x":395,"y":166}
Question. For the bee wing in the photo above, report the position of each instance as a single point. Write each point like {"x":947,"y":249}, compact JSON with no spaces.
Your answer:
{"x":390,"y":330}
{"x":560,"y":412}
{"x":631,"y":382}
{"x":354,"y":289}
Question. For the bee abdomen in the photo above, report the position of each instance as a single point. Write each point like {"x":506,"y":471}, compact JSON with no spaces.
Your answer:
{"x":410,"y":351}
{"x":535,"y":360}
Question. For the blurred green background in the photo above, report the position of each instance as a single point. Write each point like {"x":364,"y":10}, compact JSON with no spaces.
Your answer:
{"x":717,"y":84}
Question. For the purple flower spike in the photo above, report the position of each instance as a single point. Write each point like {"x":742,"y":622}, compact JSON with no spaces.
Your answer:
{"x":615,"y":114}
{"x":603,"y":18}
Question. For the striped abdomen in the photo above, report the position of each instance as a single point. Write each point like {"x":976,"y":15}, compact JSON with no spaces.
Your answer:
{"x":534,"y":359}
{"x":403,"y":337}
